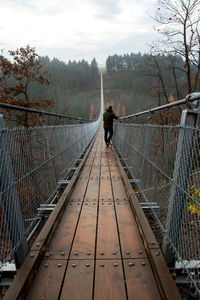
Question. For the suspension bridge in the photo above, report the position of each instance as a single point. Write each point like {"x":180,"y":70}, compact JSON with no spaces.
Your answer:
{"x":96,"y":242}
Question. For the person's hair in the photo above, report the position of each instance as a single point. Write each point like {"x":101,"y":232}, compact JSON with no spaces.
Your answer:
{"x":110,"y":107}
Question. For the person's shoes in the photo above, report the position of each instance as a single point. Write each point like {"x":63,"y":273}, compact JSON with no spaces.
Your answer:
{"x":107,"y":144}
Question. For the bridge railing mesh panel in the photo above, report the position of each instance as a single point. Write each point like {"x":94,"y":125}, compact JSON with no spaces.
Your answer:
{"x":150,"y":153}
{"x":32,"y":162}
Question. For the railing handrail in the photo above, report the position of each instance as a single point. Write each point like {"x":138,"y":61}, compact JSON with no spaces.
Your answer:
{"x":41,"y":112}
{"x":189,"y":99}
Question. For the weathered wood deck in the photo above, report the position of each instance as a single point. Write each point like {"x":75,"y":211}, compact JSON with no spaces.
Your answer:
{"x":101,"y":247}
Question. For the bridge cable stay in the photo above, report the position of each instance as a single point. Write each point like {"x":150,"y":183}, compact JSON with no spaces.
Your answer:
{"x":41,"y":112}
{"x":192,"y":101}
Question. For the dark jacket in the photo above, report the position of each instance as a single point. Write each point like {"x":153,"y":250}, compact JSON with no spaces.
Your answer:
{"x":108,"y":117}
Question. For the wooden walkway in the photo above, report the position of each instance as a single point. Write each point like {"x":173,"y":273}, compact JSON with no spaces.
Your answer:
{"x":99,"y":249}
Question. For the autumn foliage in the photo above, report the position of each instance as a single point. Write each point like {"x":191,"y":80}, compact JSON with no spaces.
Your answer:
{"x":17,"y":73}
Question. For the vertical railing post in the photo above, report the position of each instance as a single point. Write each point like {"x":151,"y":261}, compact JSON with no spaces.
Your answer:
{"x":11,"y":208}
{"x":182,"y":170}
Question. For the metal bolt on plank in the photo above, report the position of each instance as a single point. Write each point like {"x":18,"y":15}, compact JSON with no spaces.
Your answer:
{"x":131,"y":264}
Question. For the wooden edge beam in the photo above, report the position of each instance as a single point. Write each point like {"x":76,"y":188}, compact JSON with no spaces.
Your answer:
{"x":26,"y":273}
{"x":166,"y":284}
{"x":24,"y":277}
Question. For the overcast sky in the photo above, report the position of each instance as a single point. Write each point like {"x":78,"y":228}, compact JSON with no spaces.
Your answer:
{"x":77,"y":29}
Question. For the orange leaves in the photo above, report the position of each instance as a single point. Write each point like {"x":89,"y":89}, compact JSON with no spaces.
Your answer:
{"x":91,"y":115}
{"x":16,"y":74}
{"x":26,"y":64}
{"x":171,"y":98}
{"x":186,"y":64}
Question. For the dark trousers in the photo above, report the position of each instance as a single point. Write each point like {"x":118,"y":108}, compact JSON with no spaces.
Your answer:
{"x":108,"y":133}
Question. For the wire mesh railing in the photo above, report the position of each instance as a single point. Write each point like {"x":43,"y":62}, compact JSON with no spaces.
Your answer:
{"x":150,"y":153}
{"x":33,"y":160}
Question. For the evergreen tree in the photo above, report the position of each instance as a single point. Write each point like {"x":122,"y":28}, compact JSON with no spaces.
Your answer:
{"x":94,"y":68}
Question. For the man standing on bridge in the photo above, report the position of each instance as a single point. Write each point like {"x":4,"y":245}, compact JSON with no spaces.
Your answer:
{"x":108,"y":118}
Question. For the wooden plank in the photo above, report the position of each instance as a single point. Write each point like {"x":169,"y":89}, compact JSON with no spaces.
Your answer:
{"x":130,"y":239}
{"x":84,"y":241}
{"x":140,"y":280}
{"x":92,"y":192}
{"x":105,"y":193}
{"x":119,"y":192}
{"x":117,"y":184}
{"x":61,"y":242}
{"x":78,"y":283}
{"x":104,"y":162}
{"x":109,"y":280}
{"x":48,"y":281}
{"x":79,"y":191}
{"x":107,"y":234}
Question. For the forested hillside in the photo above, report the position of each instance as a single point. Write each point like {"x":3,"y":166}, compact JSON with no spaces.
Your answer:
{"x":137,"y":82}
{"x":74,"y":87}
{"x":131,"y":83}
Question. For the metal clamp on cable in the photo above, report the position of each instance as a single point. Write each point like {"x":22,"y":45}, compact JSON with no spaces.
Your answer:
{"x":43,"y":117}
{"x":192,"y":100}
{"x":149,"y":119}
{"x":79,"y":120}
